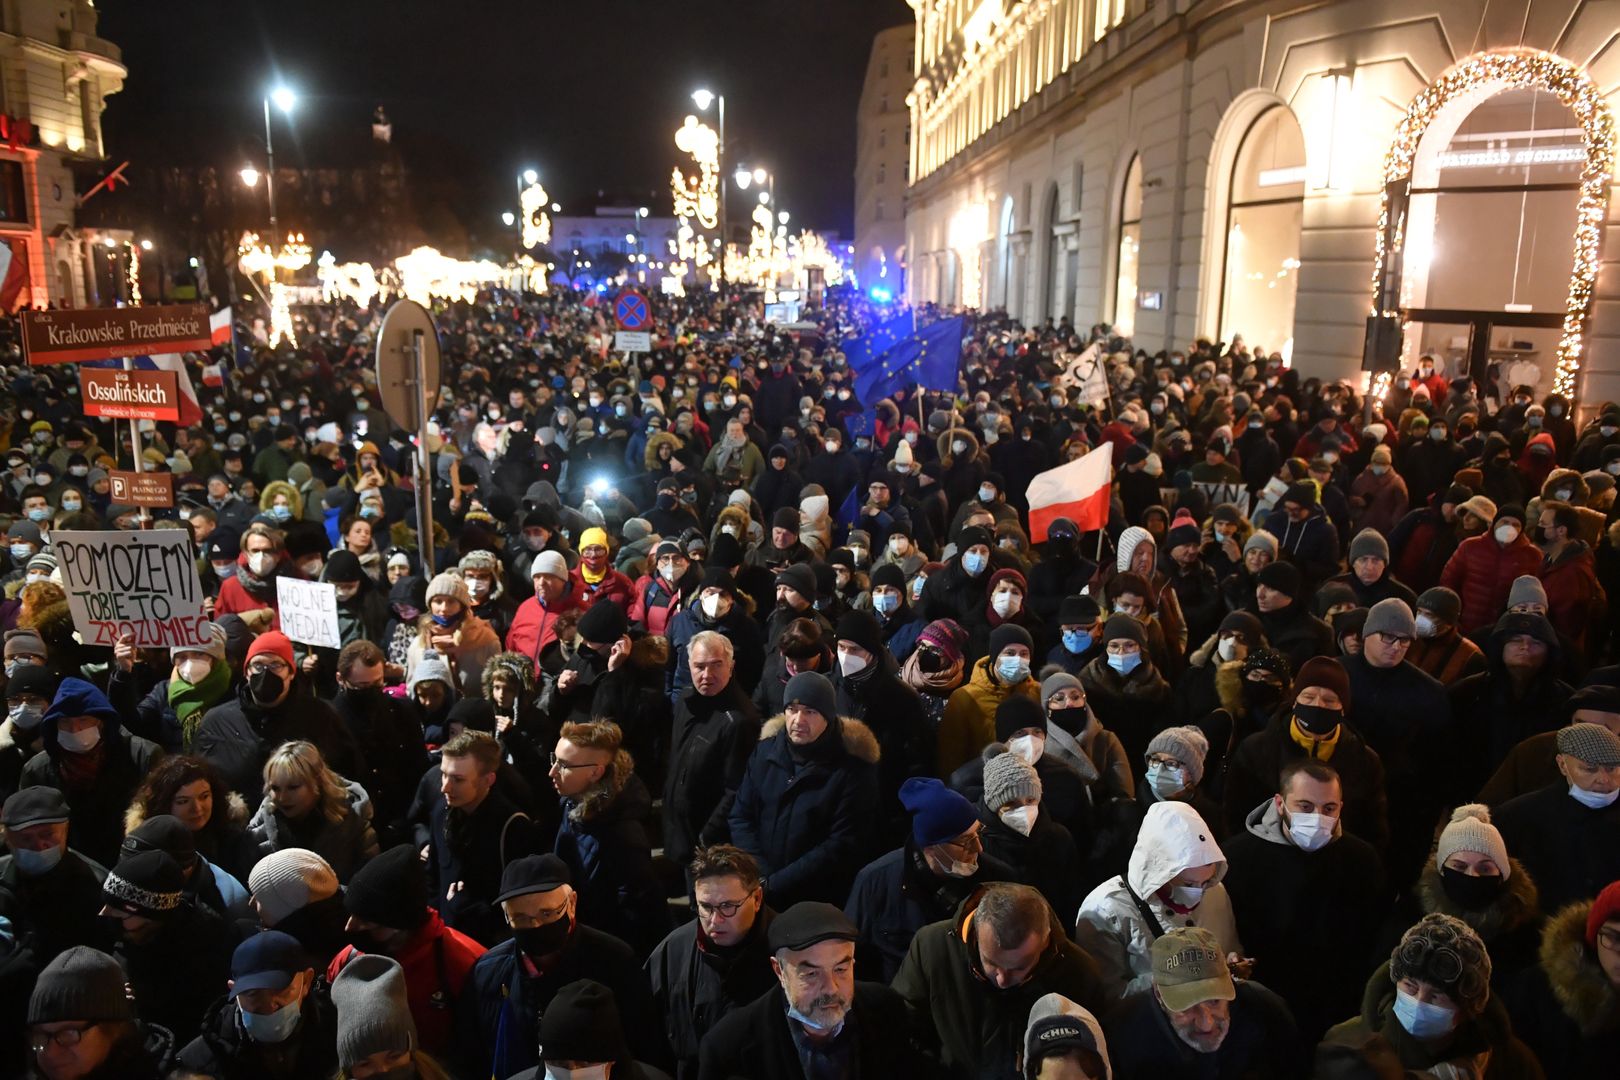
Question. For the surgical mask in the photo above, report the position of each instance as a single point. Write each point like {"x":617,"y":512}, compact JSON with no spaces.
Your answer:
{"x":972,"y":562}
{"x":1028,"y":747}
{"x":39,"y":513}
{"x":1021,"y":820}
{"x":38,"y":863}
{"x":795,"y":1014}
{"x":79,"y":470}
{"x":1426,"y":626}
{"x":1012,"y":669}
{"x":261,"y":563}
{"x":477,"y":588}
{"x":1563,"y":494}
{"x":346,"y":592}
{"x":195,"y":669}
{"x":226,"y":572}
{"x":1437,"y":434}
{"x":1187,"y":896}
{"x":850,"y":664}
{"x":1311,"y":832}
{"x":22,"y":552}
{"x":1593,"y":800}
{"x":589,"y":1072}
{"x":79,"y":742}
{"x":25,"y":716}
{"x":712,"y":606}
{"x":1505,"y":534}
{"x":1077,"y":641}
{"x":34,"y":578}
{"x":831,"y":445}
{"x":1006,"y":604}
{"x":72,"y":506}
{"x":956,"y":868}
{"x":1422,"y":1019}
{"x":886,"y":603}
{"x":281,"y":513}
{"x":1165,"y":781}
{"x":1125,"y":663}
{"x":1227,"y":649}
{"x":273,"y":1027}
{"x":986,"y":493}
{"x":371,"y":510}
{"x":1379,"y":470}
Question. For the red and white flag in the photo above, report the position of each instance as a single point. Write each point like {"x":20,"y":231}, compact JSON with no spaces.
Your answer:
{"x":1077,"y":491}
{"x":219,"y":326}
{"x":13,"y":272}
{"x":190,"y":411}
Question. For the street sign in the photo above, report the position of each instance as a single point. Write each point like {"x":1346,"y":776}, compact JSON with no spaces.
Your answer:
{"x":629,"y":341}
{"x":142,"y":488}
{"x":632,"y":311}
{"x":396,"y":362}
{"x":62,"y":337}
{"x":130,"y":395}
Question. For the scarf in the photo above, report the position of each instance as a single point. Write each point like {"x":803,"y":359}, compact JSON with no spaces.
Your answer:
{"x":190,"y":702}
{"x":80,"y":771}
{"x":592,"y":577}
{"x":1320,"y":749}
{"x":728,"y":450}
{"x":936,"y":683}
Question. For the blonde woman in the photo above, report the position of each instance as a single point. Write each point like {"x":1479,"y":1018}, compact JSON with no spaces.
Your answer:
{"x":307,"y":805}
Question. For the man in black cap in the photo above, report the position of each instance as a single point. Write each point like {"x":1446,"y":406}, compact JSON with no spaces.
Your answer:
{"x":715,"y":730}
{"x":206,"y":884}
{"x":1567,"y":834}
{"x":817,"y":1021}
{"x":497,"y":1020}
{"x":581,"y":1035}
{"x":796,"y":593}
{"x":870,"y":690}
{"x":723,"y":608}
{"x":82,"y":1022}
{"x":269,"y":1024}
{"x":1196,"y":585}
{"x":668,"y":586}
{"x":785,"y":548}
{"x":51,"y":892}
{"x":1305,"y":536}
{"x":1290,"y":627}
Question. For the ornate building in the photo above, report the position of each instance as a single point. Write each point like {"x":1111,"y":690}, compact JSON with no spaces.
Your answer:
{"x":1211,"y":168}
{"x":883,"y":163}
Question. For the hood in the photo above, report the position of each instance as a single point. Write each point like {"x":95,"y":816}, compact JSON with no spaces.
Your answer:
{"x":859,"y":742}
{"x":738,"y":519}
{"x":1173,"y":838}
{"x":649,"y":457}
{"x":1265,"y":821}
{"x":1519,"y":624}
{"x":267,"y":498}
{"x":509,"y":663}
{"x":1519,"y":903}
{"x":813,"y":509}
{"x":541,"y":492}
{"x":1229,"y":687}
{"x":943,"y":445}
{"x":1583,"y":991}
{"x":75,"y":697}
{"x":1048,"y":1016}
{"x":1129,"y":541}
{"x":1560,"y":478}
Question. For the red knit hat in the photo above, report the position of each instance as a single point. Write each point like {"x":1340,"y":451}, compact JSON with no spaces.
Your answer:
{"x":1325,"y":672}
{"x":1604,"y":908}
{"x":275,"y":643}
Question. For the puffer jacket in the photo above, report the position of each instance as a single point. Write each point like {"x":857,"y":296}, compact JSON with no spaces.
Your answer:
{"x":347,"y":844}
{"x":969,"y":723}
{"x":1481,"y":572}
{"x":1576,"y":601}
{"x":1114,"y":928}
{"x":604,"y":840}
{"x":534,"y":626}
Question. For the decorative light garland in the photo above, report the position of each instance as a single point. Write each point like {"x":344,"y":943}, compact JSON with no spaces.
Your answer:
{"x":1522,"y":69}
{"x":134,"y":275}
{"x":258,"y":260}
{"x":536,"y":224}
{"x":697,"y":200}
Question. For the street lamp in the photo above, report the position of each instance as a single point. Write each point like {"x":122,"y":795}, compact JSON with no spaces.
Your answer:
{"x":508,"y":218}
{"x":250,"y":176}
{"x":530,"y":176}
{"x":702,"y":99}
{"x":146,"y":245}
{"x":285,"y":100}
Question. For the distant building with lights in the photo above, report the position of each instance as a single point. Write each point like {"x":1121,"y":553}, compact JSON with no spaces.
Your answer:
{"x":55,"y":77}
{"x":882,"y":161}
{"x":611,"y":238}
{"x":1350,"y":183}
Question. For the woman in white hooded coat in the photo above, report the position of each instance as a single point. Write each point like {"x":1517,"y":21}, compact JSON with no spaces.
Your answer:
{"x":1173,"y":879}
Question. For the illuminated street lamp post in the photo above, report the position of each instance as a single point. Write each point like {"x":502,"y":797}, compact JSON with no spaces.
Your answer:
{"x":285,"y":99}
{"x":702,"y":98}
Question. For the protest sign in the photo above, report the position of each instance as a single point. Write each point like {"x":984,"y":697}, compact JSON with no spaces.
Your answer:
{"x":308,"y":611}
{"x":140,"y":584}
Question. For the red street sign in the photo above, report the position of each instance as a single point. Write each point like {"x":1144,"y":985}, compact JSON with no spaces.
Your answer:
{"x":130,"y":395}
{"x":632,"y":311}
{"x":142,"y":488}
{"x":61,"y":337}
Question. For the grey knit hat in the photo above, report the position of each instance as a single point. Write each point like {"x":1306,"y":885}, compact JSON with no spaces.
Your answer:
{"x":288,"y":881}
{"x":82,"y":984}
{"x":1261,"y":541}
{"x":1368,"y":542}
{"x":1059,"y":680}
{"x":449,"y":584}
{"x":214,"y":648}
{"x":1526,"y":589}
{"x":1391,"y":617}
{"x":1187,"y":745}
{"x":373,"y":1015}
{"x":1470,"y":829}
{"x":1008,"y":777}
{"x":1592,"y":743}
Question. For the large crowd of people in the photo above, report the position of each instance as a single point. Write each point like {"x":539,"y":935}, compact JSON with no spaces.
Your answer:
{"x":739,"y":727}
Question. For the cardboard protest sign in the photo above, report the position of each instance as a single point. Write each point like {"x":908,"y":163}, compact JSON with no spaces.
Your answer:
{"x":308,"y":611}
{"x":142,"y":584}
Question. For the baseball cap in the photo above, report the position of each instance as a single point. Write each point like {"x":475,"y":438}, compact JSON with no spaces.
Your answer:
{"x":1189,"y":968}
{"x":267,"y":961}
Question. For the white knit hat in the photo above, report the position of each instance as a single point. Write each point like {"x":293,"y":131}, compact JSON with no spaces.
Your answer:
{"x":288,"y":881}
{"x":549,"y":562}
{"x":1470,"y":829}
{"x":450,"y":584}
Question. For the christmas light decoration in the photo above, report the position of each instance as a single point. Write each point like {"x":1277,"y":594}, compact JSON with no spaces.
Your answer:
{"x":134,"y":275}
{"x":1482,"y":76}
{"x":536,"y":225}
{"x":258,"y":260}
{"x":349,"y":281}
{"x":697,"y":199}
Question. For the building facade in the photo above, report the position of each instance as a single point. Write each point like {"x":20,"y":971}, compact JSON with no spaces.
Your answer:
{"x":613,"y":238}
{"x":883,"y":163}
{"x":1212,"y":168}
{"x":55,"y":77}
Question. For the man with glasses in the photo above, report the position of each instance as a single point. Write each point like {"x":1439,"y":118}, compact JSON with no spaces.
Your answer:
{"x":716,"y":728}
{"x":1568,"y":833}
{"x":717,"y":962}
{"x":81,"y":1017}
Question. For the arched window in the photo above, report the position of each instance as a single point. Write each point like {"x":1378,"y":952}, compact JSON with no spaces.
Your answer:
{"x":1055,"y":308}
{"x":1130,"y":245}
{"x":1004,"y":238}
{"x":1263,"y":225}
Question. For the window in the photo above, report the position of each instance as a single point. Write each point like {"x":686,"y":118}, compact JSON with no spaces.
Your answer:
{"x":1055,"y":307}
{"x":1263,"y":226}
{"x":877,"y":214}
{"x":1130,"y":246}
{"x":13,"y":192}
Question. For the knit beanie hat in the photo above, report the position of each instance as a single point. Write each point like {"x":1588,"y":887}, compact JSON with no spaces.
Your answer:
{"x":1470,"y":829}
{"x":432,"y":668}
{"x":603,"y":623}
{"x":1369,"y":542}
{"x":812,"y":690}
{"x":1125,"y":628}
{"x":1604,"y":909}
{"x":372,"y":1012}
{"x":1443,"y":602}
{"x":1058,"y":681}
{"x":1129,"y":541}
{"x":1008,"y":634}
{"x":390,"y":890}
{"x":1017,"y":712}
{"x":547,"y":562}
{"x":288,"y":881}
{"x":890,"y":575}
{"x":24,"y":642}
{"x":786,"y":517}
{"x":717,"y":577}
{"x":1187,"y":745}
{"x":146,"y":883}
{"x":947,"y":636}
{"x":343,"y":566}
{"x":1331,"y":595}
{"x":593,"y":537}
{"x":1445,"y":953}
{"x":1324,"y":672}
{"x":165,"y":833}
{"x":1282,"y":577}
{"x":800,"y":578}
{"x":937,"y":813}
{"x":1346,"y":623}
{"x":1008,"y":777}
{"x":1391,"y":617}
{"x":450,"y":584}
{"x":274,"y":643}
{"x":1260,"y":540}
{"x":82,"y":984}
{"x":1381,"y":455}
{"x":860,"y":628}
{"x":215,"y":646}
{"x":581,"y":1024}
{"x":1245,"y":623}
{"x":1509,"y":511}
{"x":1526,"y":589}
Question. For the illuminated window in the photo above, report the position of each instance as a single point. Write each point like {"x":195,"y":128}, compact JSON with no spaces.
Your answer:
{"x":1130,"y":246}
{"x":1110,"y":13}
{"x":13,"y":192}
{"x":1055,"y":306}
{"x":1262,"y":233}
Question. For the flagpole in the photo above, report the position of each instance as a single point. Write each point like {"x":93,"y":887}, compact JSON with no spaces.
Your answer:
{"x":135,"y":448}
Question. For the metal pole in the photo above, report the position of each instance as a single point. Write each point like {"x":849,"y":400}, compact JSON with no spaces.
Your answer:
{"x":270,"y":171}
{"x":424,"y":481}
{"x":721,"y":155}
{"x":135,"y":448}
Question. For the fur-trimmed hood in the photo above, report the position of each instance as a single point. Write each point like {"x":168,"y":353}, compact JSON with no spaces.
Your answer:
{"x":1583,"y":991}
{"x":950,"y":435}
{"x":597,"y":799}
{"x":512,"y":664}
{"x":1519,"y":903}
{"x":295,"y":500}
{"x":1229,"y":687}
{"x":649,"y":457}
{"x":859,"y":741}
{"x":236,"y":813}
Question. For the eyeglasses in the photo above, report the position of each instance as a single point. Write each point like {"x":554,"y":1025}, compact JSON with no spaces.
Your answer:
{"x":726,"y":908}
{"x":1609,"y":939}
{"x":545,"y":917}
{"x":968,"y":841}
{"x":280,"y":667}
{"x":65,"y":1038}
{"x":1163,"y":761}
{"x":564,"y":766}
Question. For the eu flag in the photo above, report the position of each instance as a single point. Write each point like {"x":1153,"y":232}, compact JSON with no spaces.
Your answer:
{"x":877,"y":340}
{"x":928,"y":358}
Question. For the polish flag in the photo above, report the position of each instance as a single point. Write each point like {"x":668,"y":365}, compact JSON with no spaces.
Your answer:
{"x":13,"y":272}
{"x":219,"y":326}
{"x":1077,"y":491}
{"x":190,"y":411}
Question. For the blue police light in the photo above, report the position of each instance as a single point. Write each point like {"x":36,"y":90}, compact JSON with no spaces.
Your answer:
{"x":881,"y":295}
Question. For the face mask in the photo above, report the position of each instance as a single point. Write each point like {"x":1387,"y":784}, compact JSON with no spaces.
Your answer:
{"x":832,"y":446}
{"x":1021,"y":820}
{"x":1256,"y":425}
{"x":1426,"y":627}
{"x":72,"y":506}
{"x":478,"y":588}
{"x":886,"y":603}
{"x":911,"y":440}
{"x":1593,"y":800}
{"x":1505,"y":534}
{"x":1012,"y":669}
{"x":281,"y":513}
{"x":261,"y":563}
{"x":1437,"y":434}
{"x":1125,"y":663}
{"x":1379,"y":470}
{"x":1470,"y":892}
{"x":25,"y":716}
{"x":79,"y":742}
{"x":956,"y":868}
{"x":1006,"y":605}
{"x":266,"y":687}
{"x":194,"y":670}
{"x":1187,"y":896}
{"x":850,"y":664}
{"x":1227,"y":649}
{"x":448,"y":620}
{"x":544,"y":940}
{"x":972,"y":562}
{"x":1165,"y":782}
{"x":1421,"y":1019}
{"x":272,"y":1027}
{"x":589,"y":1072}
{"x":1028,"y":747}
{"x":987,"y":493}
{"x":36,"y":863}
{"x":371,"y":510}
{"x":22,"y":552}
{"x":346,"y":592}
{"x":1318,"y":720}
{"x":1311,"y":832}
{"x":959,"y":447}
{"x":1076,"y":641}
{"x":712,"y":606}
{"x":917,"y":587}
{"x":35,"y":578}
{"x":226,"y":572}
{"x":39,"y":513}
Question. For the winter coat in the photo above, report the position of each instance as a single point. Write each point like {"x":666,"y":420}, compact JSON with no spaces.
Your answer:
{"x":238,"y":736}
{"x":389,"y":733}
{"x":1259,"y":759}
{"x":1288,"y":901}
{"x":1497,"y":718}
{"x":475,"y":643}
{"x":969,"y":723}
{"x":1448,"y":659}
{"x":1510,"y":925}
{"x":225,"y":1051}
{"x":1565,"y":1008}
{"x":713,"y":738}
{"x":1481,"y":572}
{"x":1570,"y":850}
{"x":811,"y":824}
{"x":1312,"y":544}
{"x":474,"y":849}
{"x":1485,"y":1043}
{"x":1420,"y":545}
{"x":695,"y":986}
{"x":56,"y":910}
{"x":1115,"y":930}
{"x":151,"y":716}
{"x":953,"y":593}
{"x":176,"y":974}
{"x":603,"y":839}
{"x":1198,"y":594}
{"x":1134,"y":707}
{"x":1297,"y":634}
{"x":1385,"y":588}
{"x":346,"y":845}
{"x":1377,"y":502}
{"x":736,"y":626}
{"x":894,"y":712}
{"x":1576,"y":602}
{"x":972,"y":1029}
{"x":1047,"y":860}
{"x":1531,"y":765}
{"x":656,"y":602}
{"x":534,"y":627}
{"x":1262,"y":1042}
{"x":755,"y":1041}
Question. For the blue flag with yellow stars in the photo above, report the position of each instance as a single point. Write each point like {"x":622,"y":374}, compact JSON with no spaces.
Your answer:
{"x":878,"y":340}
{"x":928,"y":358}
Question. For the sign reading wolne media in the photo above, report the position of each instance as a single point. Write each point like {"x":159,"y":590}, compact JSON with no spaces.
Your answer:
{"x":130,"y":395}
{"x":308,"y":612}
{"x":140,"y":584}
{"x":61,"y":337}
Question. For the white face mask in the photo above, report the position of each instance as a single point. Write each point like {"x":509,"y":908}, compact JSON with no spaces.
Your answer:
{"x":712,"y":606}
{"x":589,"y":1072}
{"x":1227,"y":649}
{"x":1188,"y":896}
{"x":850,"y":664}
{"x":79,"y":742}
{"x":1593,"y":800}
{"x":261,"y":563}
{"x":1426,"y":627}
{"x":1022,"y":819}
{"x":194,"y":669}
{"x":898,"y":545}
{"x":1506,"y":534}
{"x":1006,"y":604}
{"x":1028,"y":747}
{"x":1311,"y":832}
{"x":477,"y":588}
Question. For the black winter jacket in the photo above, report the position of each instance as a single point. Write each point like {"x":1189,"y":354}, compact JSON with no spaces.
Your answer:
{"x":711,"y":742}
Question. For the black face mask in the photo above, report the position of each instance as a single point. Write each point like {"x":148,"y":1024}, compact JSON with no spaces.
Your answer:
{"x":932,"y":661}
{"x":266,"y":687}
{"x":538,"y":941}
{"x":1317,"y":720}
{"x":1072,"y":720}
{"x":1261,"y":695}
{"x":1471,"y":893}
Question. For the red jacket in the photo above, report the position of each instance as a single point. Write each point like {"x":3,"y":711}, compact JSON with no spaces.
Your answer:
{"x":534,"y":627}
{"x":656,"y":603}
{"x":1481,"y":571}
{"x":437,"y":962}
{"x":1573,"y":592}
{"x":615,"y":586}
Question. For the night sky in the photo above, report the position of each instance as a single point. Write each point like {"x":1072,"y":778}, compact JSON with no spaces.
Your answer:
{"x":588,"y":93}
